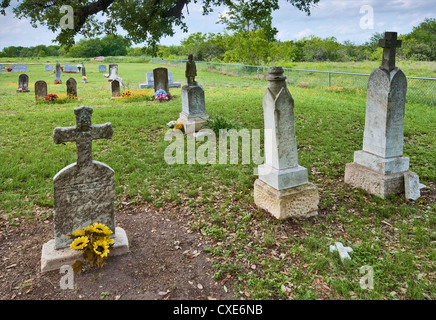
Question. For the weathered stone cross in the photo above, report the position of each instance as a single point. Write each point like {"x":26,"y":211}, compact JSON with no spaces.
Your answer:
{"x":83,"y":134}
{"x":389,"y":45}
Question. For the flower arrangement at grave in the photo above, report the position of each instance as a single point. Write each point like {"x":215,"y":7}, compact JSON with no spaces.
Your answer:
{"x":20,"y":89}
{"x":51,"y":97}
{"x":9,"y":69}
{"x":84,"y":78}
{"x":57,"y":82}
{"x":62,"y":67}
{"x":94,"y":242}
{"x":179,"y":126}
{"x":137,"y":95}
{"x":161,"y":95}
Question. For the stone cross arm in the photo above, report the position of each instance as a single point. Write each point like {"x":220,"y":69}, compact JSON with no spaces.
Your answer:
{"x":389,"y":44}
{"x":83,"y":134}
{"x":69,"y":134}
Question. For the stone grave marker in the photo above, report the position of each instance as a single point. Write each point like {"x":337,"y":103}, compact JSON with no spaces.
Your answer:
{"x":343,"y":251}
{"x":58,"y":73}
{"x":40,"y":89}
{"x":116,"y":92}
{"x":84,"y":79}
{"x":23,"y":83}
{"x":102,"y":68}
{"x":150,"y":81}
{"x":380,"y":167}
{"x":72,"y":88}
{"x":84,"y":193}
{"x":19,"y":68}
{"x":48,"y":67}
{"x":70,"y":68}
{"x":282,"y":188}
{"x":160,"y":76}
{"x":113,"y":71}
{"x":193,"y":115}
{"x":412,"y":186}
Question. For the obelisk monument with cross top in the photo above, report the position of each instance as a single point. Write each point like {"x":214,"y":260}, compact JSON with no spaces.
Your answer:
{"x":84,"y":192}
{"x":380,"y":167}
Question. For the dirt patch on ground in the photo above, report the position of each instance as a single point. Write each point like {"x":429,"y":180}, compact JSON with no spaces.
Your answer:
{"x":166,"y":261}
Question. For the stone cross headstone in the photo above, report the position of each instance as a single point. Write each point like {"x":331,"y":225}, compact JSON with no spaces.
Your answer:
{"x":48,"y":67}
{"x":116,"y":92}
{"x":23,"y":83}
{"x":282,"y":187}
{"x":40,"y":89}
{"x":58,"y":73}
{"x":84,"y":80}
{"x":160,"y":76}
{"x":84,"y":192}
{"x":72,"y":88}
{"x":113,"y":71}
{"x":19,"y":68}
{"x":389,"y":44}
{"x":102,"y":68}
{"x":380,"y":167}
{"x":343,"y":251}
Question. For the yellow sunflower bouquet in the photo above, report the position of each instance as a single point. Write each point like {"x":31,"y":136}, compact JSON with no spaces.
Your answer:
{"x":94,"y":241}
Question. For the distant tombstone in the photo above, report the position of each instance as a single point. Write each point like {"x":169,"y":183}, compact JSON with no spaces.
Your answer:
{"x":48,"y":67}
{"x":116,"y":92}
{"x":40,"y":89}
{"x":58,"y":73}
{"x":23,"y":83}
{"x":379,"y":168}
{"x":70,"y":68}
{"x":160,"y":76}
{"x":113,"y":71}
{"x":150,"y":81}
{"x":84,"y":79}
{"x":72,"y":88}
{"x":19,"y":68}
{"x":102,"y":68}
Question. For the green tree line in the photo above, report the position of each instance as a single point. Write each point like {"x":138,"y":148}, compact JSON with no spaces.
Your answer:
{"x":254,"y":45}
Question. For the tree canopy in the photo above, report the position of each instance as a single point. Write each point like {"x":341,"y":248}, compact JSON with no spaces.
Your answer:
{"x":144,"y":20}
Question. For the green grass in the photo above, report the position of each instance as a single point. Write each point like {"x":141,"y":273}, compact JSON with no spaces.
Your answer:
{"x":266,"y":258}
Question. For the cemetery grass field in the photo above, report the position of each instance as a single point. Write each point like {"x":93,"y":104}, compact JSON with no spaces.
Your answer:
{"x":264,"y":258}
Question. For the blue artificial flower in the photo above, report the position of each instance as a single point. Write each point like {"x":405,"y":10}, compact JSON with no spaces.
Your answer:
{"x":160,"y":91}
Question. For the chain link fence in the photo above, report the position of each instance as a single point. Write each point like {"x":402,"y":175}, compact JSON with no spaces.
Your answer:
{"x":419,"y":90}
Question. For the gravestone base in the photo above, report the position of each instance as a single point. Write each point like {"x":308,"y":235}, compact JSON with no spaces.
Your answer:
{"x":296,"y":202}
{"x":284,"y":178}
{"x":373,"y":182}
{"x":24,"y":90}
{"x":54,"y":259}
{"x":192,"y":122}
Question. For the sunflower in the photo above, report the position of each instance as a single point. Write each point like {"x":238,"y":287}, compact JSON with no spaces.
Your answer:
{"x":101,"y":228}
{"x":101,"y":247}
{"x":79,"y":243}
{"x":178,"y":126}
{"x":79,"y":233}
{"x":89,"y":229}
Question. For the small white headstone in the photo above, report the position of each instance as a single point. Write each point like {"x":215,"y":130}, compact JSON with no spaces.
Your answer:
{"x":343,"y":251}
{"x":411,"y":185}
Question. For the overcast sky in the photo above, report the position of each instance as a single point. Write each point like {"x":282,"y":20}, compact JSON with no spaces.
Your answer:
{"x":343,"y":19}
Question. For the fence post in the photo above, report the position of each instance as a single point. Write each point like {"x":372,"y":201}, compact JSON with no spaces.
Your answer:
{"x":257,"y":73}
{"x":287,"y":75}
{"x":237,"y":69}
{"x":329,"y":79}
